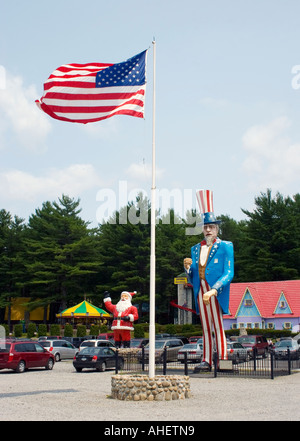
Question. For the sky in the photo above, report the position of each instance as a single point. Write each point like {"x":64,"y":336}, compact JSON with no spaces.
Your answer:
{"x":227,"y":104}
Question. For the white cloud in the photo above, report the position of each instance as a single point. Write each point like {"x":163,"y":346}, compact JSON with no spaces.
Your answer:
{"x":101,"y":130}
{"x":19,"y":113}
{"x":272,"y":160}
{"x":73,"y":181}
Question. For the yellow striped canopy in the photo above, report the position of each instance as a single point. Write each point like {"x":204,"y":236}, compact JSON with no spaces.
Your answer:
{"x":83,"y":309}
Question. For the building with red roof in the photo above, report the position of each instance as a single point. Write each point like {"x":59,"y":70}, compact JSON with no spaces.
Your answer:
{"x":264,"y":305}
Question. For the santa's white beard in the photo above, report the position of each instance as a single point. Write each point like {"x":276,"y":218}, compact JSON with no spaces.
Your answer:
{"x":122,"y":305}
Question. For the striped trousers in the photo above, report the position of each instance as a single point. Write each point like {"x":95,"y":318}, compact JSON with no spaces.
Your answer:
{"x":211,"y":319}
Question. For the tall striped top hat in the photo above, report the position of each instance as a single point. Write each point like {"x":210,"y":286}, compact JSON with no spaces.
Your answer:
{"x":205,"y":201}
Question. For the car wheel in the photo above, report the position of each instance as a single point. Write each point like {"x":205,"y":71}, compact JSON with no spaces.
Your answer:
{"x":49,"y":365}
{"x":21,"y":367}
{"x":57,"y":357}
{"x":78,"y":369}
{"x":102,"y":367}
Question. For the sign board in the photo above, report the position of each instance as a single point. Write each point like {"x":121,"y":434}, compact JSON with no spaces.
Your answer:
{"x":180,"y":281}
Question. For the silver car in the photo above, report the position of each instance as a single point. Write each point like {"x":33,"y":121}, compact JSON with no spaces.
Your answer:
{"x":97,"y":344}
{"x":236,"y":352}
{"x":61,"y":349}
{"x":282,"y":347}
{"x":171,"y":345}
{"x":194,"y":353}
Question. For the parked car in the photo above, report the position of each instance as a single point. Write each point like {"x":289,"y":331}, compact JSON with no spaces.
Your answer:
{"x":255,"y":342}
{"x":281,"y":349}
{"x":76,"y":341}
{"x":157,"y":336}
{"x":99,"y":358}
{"x":22,"y":355}
{"x":184,"y":340}
{"x":172,"y":346}
{"x":49,"y":337}
{"x":97,"y":344}
{"x":106,"y":336}
{"x":138,"y":342}
{"x":194,"y":338}
{"x":194,"y":352}
{"x":237,"y":352}
{"x":61,"y":349}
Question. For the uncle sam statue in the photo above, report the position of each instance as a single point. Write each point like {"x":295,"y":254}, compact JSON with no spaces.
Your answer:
{"x":210,"y":270}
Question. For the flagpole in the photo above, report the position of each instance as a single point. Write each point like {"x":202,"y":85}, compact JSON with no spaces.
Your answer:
{"x":152,"y":252}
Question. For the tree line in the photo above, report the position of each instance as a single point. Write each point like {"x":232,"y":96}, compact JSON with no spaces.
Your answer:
{"x":56,"y":259}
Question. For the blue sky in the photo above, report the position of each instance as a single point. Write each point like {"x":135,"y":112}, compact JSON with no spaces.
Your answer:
{"x":227,"y":103}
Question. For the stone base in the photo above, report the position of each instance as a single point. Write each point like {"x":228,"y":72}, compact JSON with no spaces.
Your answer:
{"x":143,"y":388}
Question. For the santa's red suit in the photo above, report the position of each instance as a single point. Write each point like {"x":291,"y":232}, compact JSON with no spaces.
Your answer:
{"x":124,"y":316}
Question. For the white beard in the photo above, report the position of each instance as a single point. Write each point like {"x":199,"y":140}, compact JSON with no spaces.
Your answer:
{"x":122,"y":305}
{"x":209,"y":240}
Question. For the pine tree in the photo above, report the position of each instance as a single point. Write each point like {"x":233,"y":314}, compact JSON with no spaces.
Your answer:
{"x":12,"y":271}
{"x":62,"y":256}
{"x":271,"y":243}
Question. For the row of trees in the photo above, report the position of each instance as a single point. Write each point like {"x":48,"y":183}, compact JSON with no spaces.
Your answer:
{"x":57,"y":259}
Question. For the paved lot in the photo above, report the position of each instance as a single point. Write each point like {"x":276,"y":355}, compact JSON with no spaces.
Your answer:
{"x":63,"y":394}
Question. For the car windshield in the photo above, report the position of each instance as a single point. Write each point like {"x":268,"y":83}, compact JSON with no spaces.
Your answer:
{"x":88,"y":343}
{"x":135,"y":343}
{"x":246,"y":339}
{"x":90,"y":351}
{"x":191,"y":346}
{"x":286,"y":343}
{"x":45,"y":343}
{"x":158,"y":344}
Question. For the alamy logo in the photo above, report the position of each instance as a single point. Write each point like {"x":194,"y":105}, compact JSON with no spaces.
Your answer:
{"x":296,"y":77}
{"x":180,"y":201}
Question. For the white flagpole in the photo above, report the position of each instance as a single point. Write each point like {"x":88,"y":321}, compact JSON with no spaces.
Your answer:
{"x":152,"y":252}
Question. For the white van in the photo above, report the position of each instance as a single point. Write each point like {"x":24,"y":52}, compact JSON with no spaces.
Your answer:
{"x":97,"y":344}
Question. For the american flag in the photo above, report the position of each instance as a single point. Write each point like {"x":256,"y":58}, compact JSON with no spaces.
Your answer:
{"x":84,"y":93}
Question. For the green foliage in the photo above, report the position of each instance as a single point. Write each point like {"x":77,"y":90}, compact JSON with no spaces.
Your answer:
{"x":56,"y":259}
{"x":139,"y":331}
{"x":18,"y":330}
{"x":268,"y":333}
{"x":170,"y":329}
{"x":55,"y":329}
{"x":270,"y":244}
{"x":94,"y":330}
{"x":42,"y":329}
{"x":68,"y":330}
{"x":81,"y":330}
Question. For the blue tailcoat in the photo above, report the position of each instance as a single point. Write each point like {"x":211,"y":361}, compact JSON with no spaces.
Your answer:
{"x":219,"y":271}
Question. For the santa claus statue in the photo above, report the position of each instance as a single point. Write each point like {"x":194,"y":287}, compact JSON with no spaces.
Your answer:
{"x":124,"y":316}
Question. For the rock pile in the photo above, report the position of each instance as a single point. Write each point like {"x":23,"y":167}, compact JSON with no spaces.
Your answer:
{"x":143,"y":388}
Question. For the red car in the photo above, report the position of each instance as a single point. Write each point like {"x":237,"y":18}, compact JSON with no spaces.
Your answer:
{"x":254,"y":342}
{"x":22,"y":355}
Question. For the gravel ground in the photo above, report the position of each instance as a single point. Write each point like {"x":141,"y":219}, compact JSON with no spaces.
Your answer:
{"x":65,"y":395}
